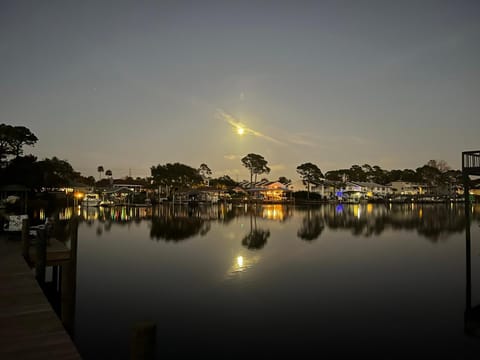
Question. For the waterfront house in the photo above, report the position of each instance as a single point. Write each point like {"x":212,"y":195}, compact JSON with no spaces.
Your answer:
{"x":407,"y":188}
{"x":268,"y":191}
{"x":365,"y":190}
{"x":275,"y":191}
{"x":327,"y":188}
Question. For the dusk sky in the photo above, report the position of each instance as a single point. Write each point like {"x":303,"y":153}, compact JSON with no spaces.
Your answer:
{"x":128,"y":85}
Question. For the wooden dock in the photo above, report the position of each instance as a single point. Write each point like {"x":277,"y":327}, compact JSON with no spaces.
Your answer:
{"x":29,"y":328}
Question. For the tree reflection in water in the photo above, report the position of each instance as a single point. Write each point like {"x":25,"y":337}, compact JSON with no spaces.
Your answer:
{"x":434,"y":222}
{"x":178,"y":228}
{"x":312,"y":226}
{"x":257,"y":238}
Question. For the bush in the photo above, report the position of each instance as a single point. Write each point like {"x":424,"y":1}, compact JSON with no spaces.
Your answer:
{"x":303,"y":195}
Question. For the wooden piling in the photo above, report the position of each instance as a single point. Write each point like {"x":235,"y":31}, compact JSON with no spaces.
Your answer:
{"x":68,"y":281}
{"x":41,"y":256}
{"x":142,"y":346}
{"x":25,"y":240}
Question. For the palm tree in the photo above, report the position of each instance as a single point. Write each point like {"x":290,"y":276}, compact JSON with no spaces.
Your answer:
{"x":109,"y":174}
{"x":100,"y":171}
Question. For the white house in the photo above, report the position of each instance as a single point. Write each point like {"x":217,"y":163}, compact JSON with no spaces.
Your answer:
{"x":407,"y":188}
{"x":367,"y":189}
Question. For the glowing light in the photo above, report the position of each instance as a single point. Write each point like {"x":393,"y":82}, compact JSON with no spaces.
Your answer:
{"x":241,"y":128}
{"x":369,"y":208}
{"x":356,"y":211}
{"x":273,"y":212}
{"x":240,"y":261}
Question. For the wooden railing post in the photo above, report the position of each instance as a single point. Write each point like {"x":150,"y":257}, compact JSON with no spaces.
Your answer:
{"x":68,"y":282}
{"x":41,"y":258}
{"x":25,"y":240}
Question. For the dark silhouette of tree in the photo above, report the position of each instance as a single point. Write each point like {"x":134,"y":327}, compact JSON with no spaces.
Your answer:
{"x":223,"y":182}
{"x":56,"y":172}
{"x":90,"y":181}
{"x":285,"y":181}
{"x":256,"y":164}
{"x":110,"y":176}
{"x":176,"y":174}
{"x":310,"y":173}
{"x":429,"y":175}
{"x":335,"y":175}
{"x":13,"y":139}
{"x":356,"y":173}
{"x":441,"y":165}
{"x":24,"y":170}
{"x":100,"y":171}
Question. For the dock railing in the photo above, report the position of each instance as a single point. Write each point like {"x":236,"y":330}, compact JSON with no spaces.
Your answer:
{"x":471,"y":162}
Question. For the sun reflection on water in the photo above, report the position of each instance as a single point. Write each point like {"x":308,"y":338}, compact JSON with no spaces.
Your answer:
{"x":241,"y":264}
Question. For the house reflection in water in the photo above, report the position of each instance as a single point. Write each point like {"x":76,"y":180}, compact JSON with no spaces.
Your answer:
{"x":275,"y":212}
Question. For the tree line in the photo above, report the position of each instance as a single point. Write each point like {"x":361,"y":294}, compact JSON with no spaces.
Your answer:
{"x":15,"y":168}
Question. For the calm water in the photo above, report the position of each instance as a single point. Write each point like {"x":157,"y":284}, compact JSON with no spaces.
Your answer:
{"x":332,"y":281}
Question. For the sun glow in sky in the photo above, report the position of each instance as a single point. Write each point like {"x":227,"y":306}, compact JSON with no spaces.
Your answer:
{"x":240,"y":130}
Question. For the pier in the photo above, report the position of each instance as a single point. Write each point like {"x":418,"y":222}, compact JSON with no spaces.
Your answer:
{"x":29,"y":327}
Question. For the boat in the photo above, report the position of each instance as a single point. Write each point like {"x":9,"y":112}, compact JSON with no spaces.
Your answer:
{"x":91,"y":200}
{"x":106,"y":203}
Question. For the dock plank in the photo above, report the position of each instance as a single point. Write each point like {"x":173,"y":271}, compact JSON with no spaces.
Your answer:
{"x":29,"y":328}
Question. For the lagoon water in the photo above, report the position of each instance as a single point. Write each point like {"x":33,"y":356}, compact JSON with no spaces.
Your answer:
{"x":373,"y":280}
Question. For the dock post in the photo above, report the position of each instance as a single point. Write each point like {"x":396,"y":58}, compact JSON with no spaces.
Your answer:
{"x":41,"y":258}
{"x":25,"y":240}
{"x":68,"y":281}
{"x":143,"y":338}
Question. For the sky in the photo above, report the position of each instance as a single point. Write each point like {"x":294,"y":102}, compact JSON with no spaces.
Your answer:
{"x":133,"y":84}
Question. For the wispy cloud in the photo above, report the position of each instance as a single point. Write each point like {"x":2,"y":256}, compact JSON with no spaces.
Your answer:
{"x":239,"y":126}
{"x":231,"y":157}
{"x":301,"y":139}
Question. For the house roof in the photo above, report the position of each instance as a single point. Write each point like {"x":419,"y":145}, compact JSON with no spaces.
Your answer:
{"x":367,"y":184}
{"x":117,"y":190}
